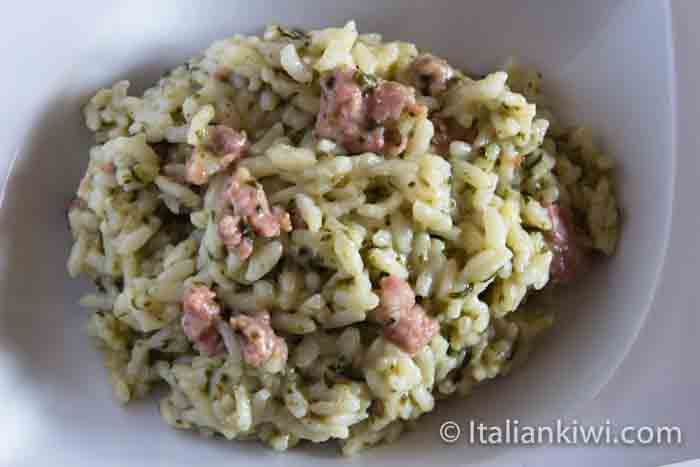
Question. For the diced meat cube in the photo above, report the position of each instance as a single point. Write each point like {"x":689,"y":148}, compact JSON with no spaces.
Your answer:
{"x":199,"y":301}
{"x":229,"y":231}
{"x":209,"y":342}
{"x":406,"y":324}
{"x":388,"y":100}
{"x":265,"y":224}
{"x":227,"y":142}
{"x":342,"y":113}
{"x":199,"y":319}
{"x":413,"y":330}
{"x":396,"y":297}
{"x":194,"y":326}
{"x":358,"y":118}
{"x":259,"y":340}
{"x":569,"y":254}
{"x":245,"y":196}
{"x":430,"y":74}
{"x":232,"y":236}
{"x":250,"y":204}
{"x":271,"y":223}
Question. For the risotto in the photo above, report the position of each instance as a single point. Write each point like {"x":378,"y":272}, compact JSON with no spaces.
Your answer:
{"x":316,"y":235}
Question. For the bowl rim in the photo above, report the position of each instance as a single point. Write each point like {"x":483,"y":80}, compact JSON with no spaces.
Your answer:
{"x":667,"y":216}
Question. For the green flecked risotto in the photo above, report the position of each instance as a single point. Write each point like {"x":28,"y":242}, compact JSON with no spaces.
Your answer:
{"x":317,"y":235}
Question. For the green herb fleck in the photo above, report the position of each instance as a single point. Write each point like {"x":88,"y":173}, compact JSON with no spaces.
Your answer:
{"x":463,"y":293}
{"x":294,"y":34}
{"x":532,"y":159}
{"x":366,"y":81}
{"x":145,"y":173}
{"x":247,"y":232}
{"x":346,"y":282}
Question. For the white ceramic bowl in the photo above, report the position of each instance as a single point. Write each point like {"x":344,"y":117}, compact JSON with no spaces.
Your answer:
{"x":606,"y":64}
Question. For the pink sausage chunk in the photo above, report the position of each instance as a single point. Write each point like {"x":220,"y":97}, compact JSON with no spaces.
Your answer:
{"x":259,"y":340}
{"x":200,"y":315}
{"x":406,"y":324}
{"x":570,"y":256}
{"x":358,"y":118}
{"x":251,"y":208}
